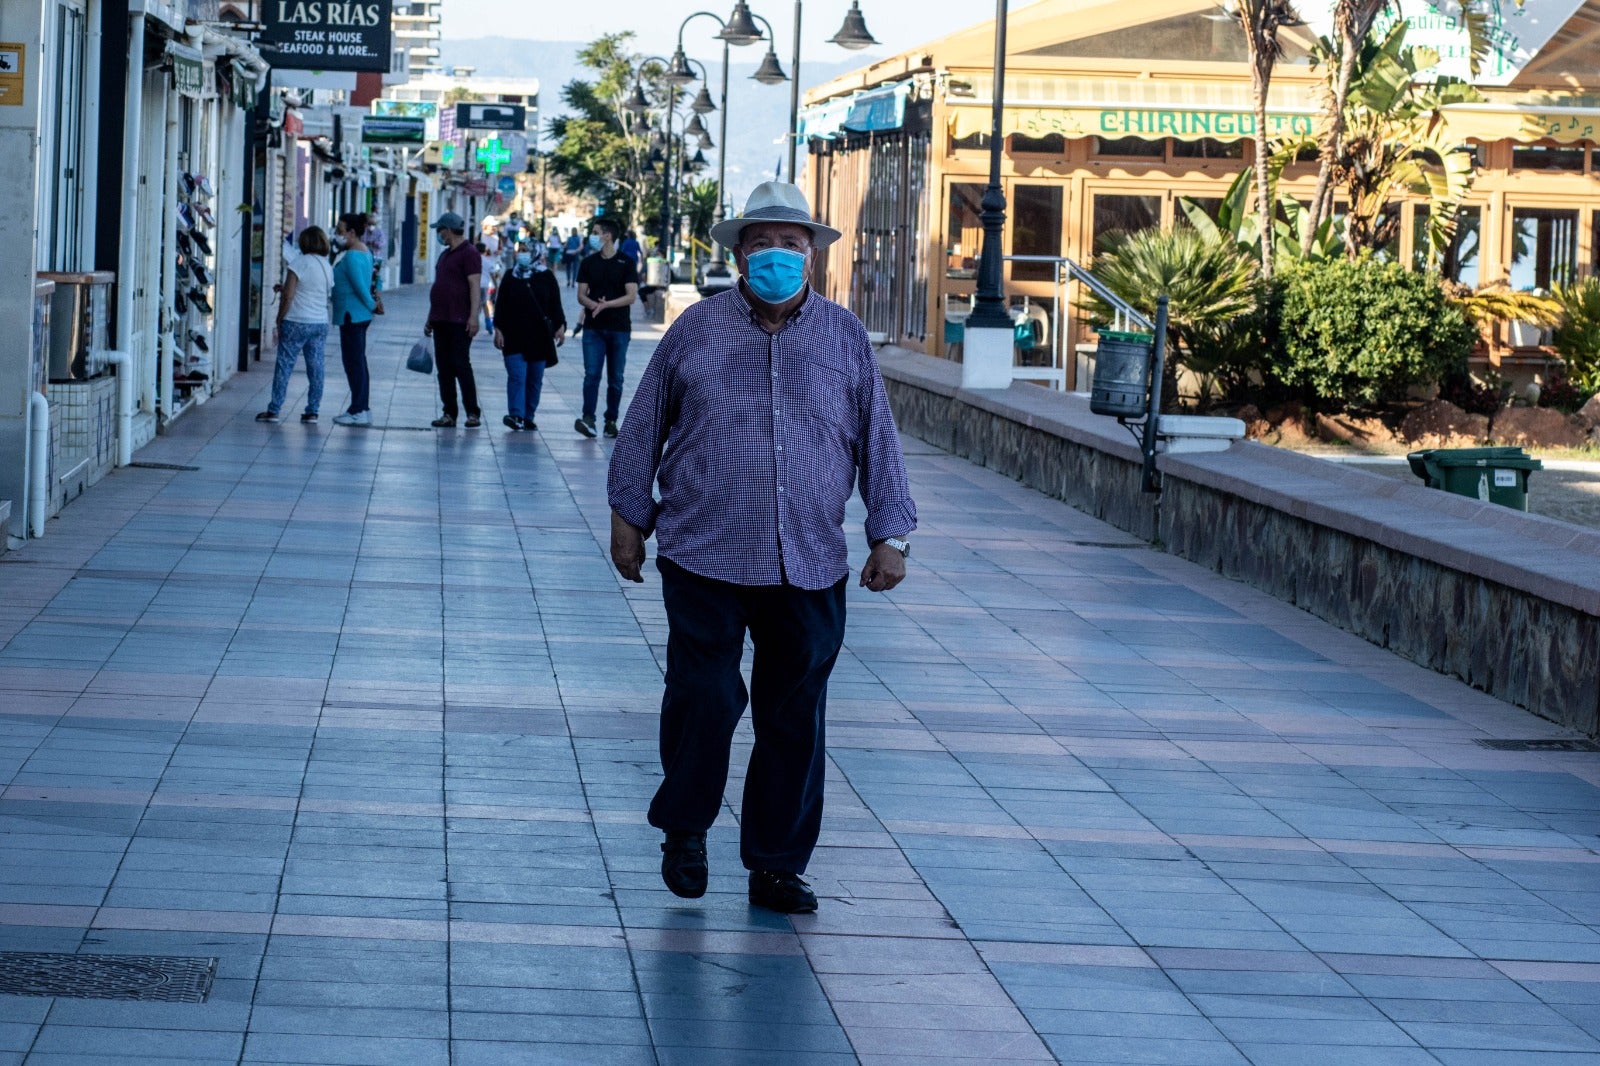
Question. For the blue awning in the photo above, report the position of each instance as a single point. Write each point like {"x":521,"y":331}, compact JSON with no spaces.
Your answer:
{"x":873,"y":111}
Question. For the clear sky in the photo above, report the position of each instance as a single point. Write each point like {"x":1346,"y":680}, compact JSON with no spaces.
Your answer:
{"x":897,"y":24}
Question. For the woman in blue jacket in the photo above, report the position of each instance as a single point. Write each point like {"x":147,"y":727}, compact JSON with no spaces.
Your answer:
{"x":355,"y":300}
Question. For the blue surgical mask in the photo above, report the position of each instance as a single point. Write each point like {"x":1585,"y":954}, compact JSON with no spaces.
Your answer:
{"x":776,"y":274}
{"x":524,"y":259}
{"x":594,"y":242}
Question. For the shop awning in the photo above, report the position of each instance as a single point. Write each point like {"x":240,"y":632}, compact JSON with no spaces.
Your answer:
{"x":1488,"y":122}
{"x":877,"y":110}
{"x":188,"y":70}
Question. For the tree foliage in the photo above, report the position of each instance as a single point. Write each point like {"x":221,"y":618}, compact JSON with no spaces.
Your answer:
{"x":603,"y":149}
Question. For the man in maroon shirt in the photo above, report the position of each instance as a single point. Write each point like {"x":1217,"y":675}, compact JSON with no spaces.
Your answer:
{"x":455,"y":304}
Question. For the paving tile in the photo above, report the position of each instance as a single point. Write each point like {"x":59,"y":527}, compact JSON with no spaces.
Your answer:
{"x":1085,"y":803}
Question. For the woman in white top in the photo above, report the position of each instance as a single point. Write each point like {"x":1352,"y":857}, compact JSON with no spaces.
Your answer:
{"x":303,"y":318}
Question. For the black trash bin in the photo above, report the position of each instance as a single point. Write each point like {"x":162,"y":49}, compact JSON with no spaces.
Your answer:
{"x":1122,"y":374}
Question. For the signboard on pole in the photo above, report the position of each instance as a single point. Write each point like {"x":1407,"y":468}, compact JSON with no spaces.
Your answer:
{"x":326,"y":34}
{"x":393,"y":129}
{"x":491,"y":117}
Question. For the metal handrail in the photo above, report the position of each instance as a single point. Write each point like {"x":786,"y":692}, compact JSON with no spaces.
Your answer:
{"x":1121,"y":306}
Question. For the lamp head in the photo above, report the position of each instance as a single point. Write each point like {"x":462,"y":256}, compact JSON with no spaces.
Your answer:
{"x":853,"y":34}
{"x":769,"y":72}
{"x":740,"y":29}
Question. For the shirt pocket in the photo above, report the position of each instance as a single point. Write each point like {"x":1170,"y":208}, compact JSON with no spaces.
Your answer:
{"x":829,"y":385}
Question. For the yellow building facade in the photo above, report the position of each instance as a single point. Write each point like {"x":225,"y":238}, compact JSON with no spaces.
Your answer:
{"x":1114,"y":111}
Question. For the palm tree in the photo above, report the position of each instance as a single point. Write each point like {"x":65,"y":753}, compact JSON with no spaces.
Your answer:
{"x":1352,"y":21}
{"x":1261,"y":21}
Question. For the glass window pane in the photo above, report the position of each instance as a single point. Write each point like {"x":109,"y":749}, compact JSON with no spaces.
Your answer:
{"x":1547,"y":157}
{"x":1130,"y":146}
{"x":1049,"y":144}
{"x":965,"y":230}
{"x":1461,"y":258}
{"x":1207,"y":148}
{"x":1123,"y":214}
{"x":1211,"y":205}
{"x":1594,"y":247}
{"x":1544,"y":249}
{"x":1036,"y":229}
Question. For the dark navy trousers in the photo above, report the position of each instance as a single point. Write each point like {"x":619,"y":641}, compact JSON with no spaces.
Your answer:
{"x":796,"y":634}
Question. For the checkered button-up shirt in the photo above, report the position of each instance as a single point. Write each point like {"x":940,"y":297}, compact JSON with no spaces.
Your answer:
{"x":757,"y":440}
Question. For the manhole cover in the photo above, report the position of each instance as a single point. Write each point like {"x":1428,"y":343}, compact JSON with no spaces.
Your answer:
{"x":164,"y":978}
{"x":1542,"y":744}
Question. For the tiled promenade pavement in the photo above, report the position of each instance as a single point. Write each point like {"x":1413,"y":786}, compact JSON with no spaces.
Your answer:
{"x":366,"y":717}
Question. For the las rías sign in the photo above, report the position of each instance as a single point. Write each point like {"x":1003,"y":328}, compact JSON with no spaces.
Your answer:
{"x":326,"y":34}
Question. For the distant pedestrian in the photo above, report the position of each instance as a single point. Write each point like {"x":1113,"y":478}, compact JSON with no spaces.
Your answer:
{"x":572,"y":256}
{"x":355,"y":298}
{"x":377,"y":243}
{"x":631,"y":248}
{"x":529,"y":325}
{"x":552,"y":248}
{"x":455,"y":304}
{"x":303,"y":315}
{"x":608,"y":285}
{"x":486,"y":281}
{"x":759,"y":412}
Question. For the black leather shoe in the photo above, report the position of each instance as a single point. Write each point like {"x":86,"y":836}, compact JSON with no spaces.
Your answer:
{"x":781,"y":891}
{"x":683,"y":864}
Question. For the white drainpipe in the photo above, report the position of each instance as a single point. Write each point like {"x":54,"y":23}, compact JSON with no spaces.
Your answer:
{"x":127,"y":259}
{"x":37,"y":490}
{"x":123,"y":361}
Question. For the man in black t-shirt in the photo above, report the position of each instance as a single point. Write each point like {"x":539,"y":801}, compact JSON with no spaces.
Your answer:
{"x":608,"y":284}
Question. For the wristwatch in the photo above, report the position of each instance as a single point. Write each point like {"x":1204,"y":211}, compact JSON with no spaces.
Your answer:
{"x":899,"y":545}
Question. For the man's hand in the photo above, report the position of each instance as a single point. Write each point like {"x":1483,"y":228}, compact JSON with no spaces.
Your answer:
{"x":474,"y":325}
{"x":427,"y":329}
{"x":499,"y":339}
{"x":561,"y":336}
{"x":627,"y":548}
{"x":885,"y":569}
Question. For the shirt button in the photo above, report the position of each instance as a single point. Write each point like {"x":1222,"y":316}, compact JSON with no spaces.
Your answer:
{"x":780,"y":488}
{"x":780,"y":447}
{"x":774,"y":375}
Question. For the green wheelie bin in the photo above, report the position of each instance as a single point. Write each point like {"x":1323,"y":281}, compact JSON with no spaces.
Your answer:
{"x":1495,"y":475}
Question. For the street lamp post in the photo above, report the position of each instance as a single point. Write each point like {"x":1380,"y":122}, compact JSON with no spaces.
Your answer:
{"x":852,"y":35}
{"x":987,"y":356}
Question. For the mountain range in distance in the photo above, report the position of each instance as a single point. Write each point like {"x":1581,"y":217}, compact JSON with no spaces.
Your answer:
{"x":758,"y":114}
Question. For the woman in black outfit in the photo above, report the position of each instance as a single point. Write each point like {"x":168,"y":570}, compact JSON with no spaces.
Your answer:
{"x":529,"y":325}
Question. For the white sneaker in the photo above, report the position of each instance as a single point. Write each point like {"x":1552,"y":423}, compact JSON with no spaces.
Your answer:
{"x":348,"y":419}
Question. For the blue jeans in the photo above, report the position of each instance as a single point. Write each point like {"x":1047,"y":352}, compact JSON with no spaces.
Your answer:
{"x":524,"y":380}
{"x":295,"y":339}
{"x":353,"y":348}
{"x":608,"y":349}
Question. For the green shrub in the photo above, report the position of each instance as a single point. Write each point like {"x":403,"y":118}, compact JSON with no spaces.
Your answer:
{"x":1360,"y":332}
{"x":1577,"y":339}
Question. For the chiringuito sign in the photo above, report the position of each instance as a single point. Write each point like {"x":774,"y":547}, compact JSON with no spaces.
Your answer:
{"x":326,"y":34}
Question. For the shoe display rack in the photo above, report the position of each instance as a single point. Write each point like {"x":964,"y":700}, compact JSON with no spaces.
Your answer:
{"x":196,"y":227}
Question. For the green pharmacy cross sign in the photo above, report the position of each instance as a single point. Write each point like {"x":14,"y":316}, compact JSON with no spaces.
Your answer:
{"x":493,"y":155}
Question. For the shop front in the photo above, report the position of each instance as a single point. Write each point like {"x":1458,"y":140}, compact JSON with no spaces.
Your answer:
{"x":1113,"y":118}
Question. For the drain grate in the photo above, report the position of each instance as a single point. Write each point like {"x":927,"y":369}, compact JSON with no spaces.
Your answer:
{"x":159,"y":978}
{"x":163,"y":466}
{"x":1541,"y":744}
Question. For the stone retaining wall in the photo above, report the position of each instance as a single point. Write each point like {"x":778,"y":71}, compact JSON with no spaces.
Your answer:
{"x":1508,"y":602}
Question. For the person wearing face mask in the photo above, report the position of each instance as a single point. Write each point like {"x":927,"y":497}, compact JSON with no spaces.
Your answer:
{"x":760,"y":411}
{"x":529,"y":325}
{"x":354,"y":303}
{"x":608,"y":284}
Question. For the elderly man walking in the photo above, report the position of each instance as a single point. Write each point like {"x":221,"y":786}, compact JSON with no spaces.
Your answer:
{"x":760,"y":409}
